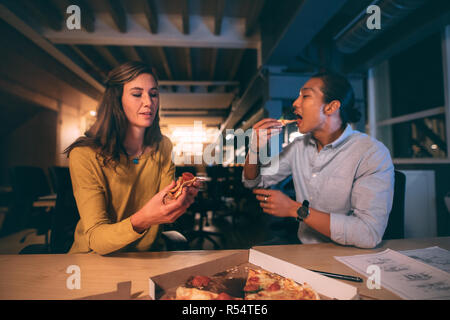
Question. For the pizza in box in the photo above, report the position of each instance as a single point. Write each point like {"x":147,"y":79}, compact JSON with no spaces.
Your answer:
{"x":257,"y":285}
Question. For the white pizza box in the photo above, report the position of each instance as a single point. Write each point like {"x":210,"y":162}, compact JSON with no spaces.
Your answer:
{"x":327,"y":288}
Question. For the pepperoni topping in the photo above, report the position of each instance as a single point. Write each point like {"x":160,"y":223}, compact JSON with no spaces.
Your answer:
{"x":224,"y":296}
{"x":251,"y":287}
{"x":187,"y":176}
{"x":253,"y":279}
{"x":200,"y":281}
{"x":274,"y":287}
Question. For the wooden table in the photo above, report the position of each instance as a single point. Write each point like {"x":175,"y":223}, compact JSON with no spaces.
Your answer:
{"x":125,"y":275}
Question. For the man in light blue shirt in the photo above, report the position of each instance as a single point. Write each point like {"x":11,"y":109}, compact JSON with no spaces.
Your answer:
{"x":346,"y":176}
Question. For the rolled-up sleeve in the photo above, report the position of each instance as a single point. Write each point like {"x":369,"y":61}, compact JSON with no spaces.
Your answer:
{"x":371,"y":202}
{"x":276,"y":170}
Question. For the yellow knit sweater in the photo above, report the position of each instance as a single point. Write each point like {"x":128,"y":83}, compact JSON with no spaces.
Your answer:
{"x":106,"y":199}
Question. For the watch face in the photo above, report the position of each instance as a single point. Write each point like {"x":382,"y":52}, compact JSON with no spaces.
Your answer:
{"x":302,"y":212}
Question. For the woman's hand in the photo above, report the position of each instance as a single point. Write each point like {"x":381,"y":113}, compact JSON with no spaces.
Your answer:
{"x":156,"y":212}
{"x":276,"y":203}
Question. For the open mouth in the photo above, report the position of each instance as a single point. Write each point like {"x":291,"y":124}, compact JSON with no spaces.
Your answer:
{"x":148,"y":114}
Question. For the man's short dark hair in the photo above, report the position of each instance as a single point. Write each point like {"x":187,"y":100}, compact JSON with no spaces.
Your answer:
{"x":337,"y":87}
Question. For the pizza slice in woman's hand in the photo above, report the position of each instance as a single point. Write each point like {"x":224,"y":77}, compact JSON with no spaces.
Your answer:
{"x":187,"y":179}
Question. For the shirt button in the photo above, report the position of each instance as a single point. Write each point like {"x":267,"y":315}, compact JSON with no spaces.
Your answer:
{"x":314,"y":175}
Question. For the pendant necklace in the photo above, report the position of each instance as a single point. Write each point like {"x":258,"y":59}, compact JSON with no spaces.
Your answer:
{"x":136,"y":159}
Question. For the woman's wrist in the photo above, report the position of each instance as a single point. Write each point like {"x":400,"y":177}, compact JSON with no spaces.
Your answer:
{"x":138,"y":223}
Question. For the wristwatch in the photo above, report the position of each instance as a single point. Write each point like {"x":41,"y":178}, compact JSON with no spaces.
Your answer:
{"x":303,"y":211}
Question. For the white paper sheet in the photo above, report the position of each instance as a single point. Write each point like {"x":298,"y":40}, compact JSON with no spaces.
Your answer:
{"x":408,"y":278}
{"x":434,"y":256}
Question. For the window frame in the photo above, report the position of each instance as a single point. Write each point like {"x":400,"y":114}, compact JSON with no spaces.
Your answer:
{"x":373,"y":101}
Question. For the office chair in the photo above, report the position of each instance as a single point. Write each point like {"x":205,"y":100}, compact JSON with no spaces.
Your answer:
{"x":65,"y":216}
{"x":206,"y":201}
{"x":396,"y":224}
{"x":28,"y":184}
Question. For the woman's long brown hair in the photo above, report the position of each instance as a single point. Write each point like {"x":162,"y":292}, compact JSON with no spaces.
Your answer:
{"x":107,"y":134}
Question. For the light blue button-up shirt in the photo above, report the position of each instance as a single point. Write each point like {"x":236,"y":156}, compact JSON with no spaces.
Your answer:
{"x":351,"y":178}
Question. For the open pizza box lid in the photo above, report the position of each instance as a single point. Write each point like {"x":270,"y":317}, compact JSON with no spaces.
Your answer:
{"x":162,"y":285}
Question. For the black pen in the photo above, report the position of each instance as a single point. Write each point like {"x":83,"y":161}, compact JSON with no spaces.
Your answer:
{"x":338,"y":276}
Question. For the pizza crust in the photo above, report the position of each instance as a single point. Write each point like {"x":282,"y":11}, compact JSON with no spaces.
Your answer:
{"x":285,"y":122}
{"x":184,"y":293}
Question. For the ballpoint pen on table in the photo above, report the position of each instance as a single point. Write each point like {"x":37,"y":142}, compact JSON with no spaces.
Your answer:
{"x":339,"y":276}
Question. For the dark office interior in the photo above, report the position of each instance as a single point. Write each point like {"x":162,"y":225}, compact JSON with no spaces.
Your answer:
{"x":227,"y":64}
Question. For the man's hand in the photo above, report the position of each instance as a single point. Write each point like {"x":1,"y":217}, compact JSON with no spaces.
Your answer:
{"x":262,"y":132}
{"x":276,"y":203}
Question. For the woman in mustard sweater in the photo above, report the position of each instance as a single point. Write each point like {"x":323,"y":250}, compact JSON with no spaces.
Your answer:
{"x":122,"y":168}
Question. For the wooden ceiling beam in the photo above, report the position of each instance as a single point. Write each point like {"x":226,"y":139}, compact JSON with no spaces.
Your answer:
{"x":236,"y":63}
{"x":253,"y":18}
{"x":46,"y":13}
{"x":143,"y":55}
{"x":88,"y":61}
{"x":185,"y":16}
{"x":87,"y":15}
{"x":167,"y":36}
{"x":151,"y":15}
{"x":16,"y":89}
{"x":218,"y":16}
{"x":118,"y":14}
{"x":212,"y":68}
{"x":131,"y":53}
{"x":188,"y":63}
{"x":165,"y":62}
{"x":107,"y":55}
{"x":22,"y":27}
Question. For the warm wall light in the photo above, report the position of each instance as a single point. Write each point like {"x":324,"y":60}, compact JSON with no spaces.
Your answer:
{"x":190,"y":140}
{"x":93,"y":113}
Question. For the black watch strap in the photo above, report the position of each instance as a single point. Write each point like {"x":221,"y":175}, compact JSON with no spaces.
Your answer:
{"x":303,"y":211}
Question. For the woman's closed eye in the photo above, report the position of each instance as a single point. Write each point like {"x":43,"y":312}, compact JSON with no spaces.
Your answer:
{"x":152,"y":95}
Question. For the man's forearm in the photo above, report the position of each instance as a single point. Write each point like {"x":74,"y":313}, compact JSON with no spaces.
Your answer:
{"x":319,"y":221}
{"x":251,"y":171}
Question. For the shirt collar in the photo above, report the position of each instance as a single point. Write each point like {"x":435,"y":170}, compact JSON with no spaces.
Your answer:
{"x":347,"y":133}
